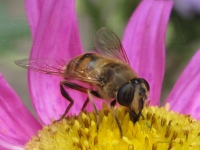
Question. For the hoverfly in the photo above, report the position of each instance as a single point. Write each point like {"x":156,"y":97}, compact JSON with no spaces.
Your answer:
{"x":108,"y":72}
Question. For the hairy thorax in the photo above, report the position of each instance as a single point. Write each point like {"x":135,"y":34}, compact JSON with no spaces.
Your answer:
{"x":112,"y":76}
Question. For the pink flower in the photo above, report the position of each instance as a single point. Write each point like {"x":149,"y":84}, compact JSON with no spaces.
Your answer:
{"x":55,"y":33}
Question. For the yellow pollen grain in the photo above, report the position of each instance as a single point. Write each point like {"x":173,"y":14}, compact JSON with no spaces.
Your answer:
{"x":159,"y":129}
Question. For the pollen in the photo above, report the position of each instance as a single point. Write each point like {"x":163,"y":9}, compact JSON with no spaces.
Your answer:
{"x":158,"y":129}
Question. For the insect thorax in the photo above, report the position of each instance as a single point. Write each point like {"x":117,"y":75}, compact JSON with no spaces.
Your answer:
{"x":113,"y":76}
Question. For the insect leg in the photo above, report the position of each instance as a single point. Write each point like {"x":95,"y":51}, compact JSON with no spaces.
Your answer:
{"x":85,"y":104}
{"x":112,"y":105}
{"x":81,"y":89}
{"x":75,"y":87}
{"x":95,"y":108}
{"x":65,"y":95}
{"x":95,"y":93}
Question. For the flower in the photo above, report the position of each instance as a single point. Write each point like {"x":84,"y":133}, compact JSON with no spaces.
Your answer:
{"x":160,"y":129}
{"x":55,"y":33}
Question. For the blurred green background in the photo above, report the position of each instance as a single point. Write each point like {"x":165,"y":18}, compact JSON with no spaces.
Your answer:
{"x":183,"y":37}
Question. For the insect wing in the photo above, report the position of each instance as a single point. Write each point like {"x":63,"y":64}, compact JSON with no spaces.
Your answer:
{"x":107,"y":43}
{"x":56,"y":66}
{"x":45,"y":65}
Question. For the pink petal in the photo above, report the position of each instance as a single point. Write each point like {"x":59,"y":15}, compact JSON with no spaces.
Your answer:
{"x":144,"y":41}
{"x":33,"y":9}
{"x":7,"y":146}
{"x":17,"y":124}
{"x":185,"y":95}
{"x":55,"y":31}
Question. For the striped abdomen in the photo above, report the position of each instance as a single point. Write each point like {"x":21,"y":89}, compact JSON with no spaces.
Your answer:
{"x":84,"y":65}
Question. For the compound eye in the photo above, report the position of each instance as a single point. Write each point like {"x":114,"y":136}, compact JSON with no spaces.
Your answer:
{"x":125,"y":94}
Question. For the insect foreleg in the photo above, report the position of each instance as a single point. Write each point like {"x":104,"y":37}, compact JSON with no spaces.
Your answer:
{"x":112,"y":105}
{"x":95,"y":108}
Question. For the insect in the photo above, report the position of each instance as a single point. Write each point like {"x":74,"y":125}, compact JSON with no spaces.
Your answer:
{"x":107,"y":72}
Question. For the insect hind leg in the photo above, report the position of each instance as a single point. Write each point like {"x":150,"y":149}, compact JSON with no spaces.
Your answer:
{"x":66,"y":95}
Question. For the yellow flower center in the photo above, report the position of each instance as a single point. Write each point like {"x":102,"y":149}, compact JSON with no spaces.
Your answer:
{"x":158,"y":130}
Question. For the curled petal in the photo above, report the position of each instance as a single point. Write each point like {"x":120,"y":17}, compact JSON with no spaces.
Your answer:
{"x":17,"y":124}
{"x":144,"y":42}
{"x":55,"y":34}
{"x":185,"y":95}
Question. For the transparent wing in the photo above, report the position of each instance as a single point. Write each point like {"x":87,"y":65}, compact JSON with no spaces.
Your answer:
{"x":107,"y":43}
{"x":44,"y":65}
{"x":56,"y":66}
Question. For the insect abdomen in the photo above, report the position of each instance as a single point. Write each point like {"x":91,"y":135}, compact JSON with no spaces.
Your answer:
{"x":82,"y":64}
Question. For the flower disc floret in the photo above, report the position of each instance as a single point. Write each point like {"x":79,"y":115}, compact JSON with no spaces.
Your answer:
{"x":158,"y":129}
